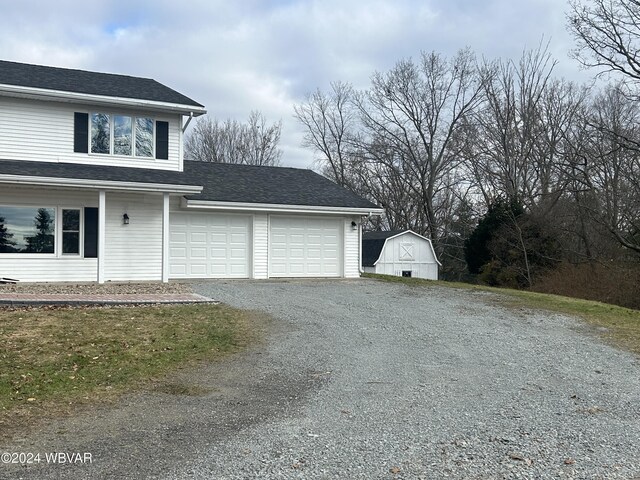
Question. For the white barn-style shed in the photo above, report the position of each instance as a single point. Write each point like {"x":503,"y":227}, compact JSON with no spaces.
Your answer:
{"x":402,"y":253}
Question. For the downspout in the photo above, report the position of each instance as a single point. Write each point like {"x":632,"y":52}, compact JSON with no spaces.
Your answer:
{"x":184,"y":128}
{"x":360,"y":269}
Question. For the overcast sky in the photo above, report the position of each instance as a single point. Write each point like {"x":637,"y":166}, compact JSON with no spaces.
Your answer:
{"x":238,"y":56}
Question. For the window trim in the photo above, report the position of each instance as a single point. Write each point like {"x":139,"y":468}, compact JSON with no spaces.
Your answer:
{"x":134,"y":152}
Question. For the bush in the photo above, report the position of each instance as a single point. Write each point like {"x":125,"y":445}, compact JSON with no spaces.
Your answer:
{"x":616,"y":283}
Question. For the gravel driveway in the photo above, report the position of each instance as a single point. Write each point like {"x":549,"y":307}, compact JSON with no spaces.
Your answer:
{"x":364,"y":379}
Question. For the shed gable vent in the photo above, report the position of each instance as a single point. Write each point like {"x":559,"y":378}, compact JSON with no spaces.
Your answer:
{"x":406,"y":251}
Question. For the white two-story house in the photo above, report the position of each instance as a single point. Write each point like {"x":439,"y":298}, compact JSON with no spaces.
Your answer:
{"x":94,"y":187}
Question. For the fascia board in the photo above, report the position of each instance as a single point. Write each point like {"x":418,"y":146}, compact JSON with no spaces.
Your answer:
{"x":278,"y":208}
{"x":85,"y":98}
{"x":100,"y":184}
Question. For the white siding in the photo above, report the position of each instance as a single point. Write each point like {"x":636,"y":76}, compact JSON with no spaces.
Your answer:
{"x":260,"y":246}
{"x":134,"y":251}
{"x":351,"y":248}
{"x":49,"y":268}
{"x":408,"y":252}
{"x":43,"y":131}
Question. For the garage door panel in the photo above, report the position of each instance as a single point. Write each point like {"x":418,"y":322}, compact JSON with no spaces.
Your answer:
{"x":198,"y":269}
{"x":178,"y":237}
{"x":198,"y":221}
{"x":305,"y":247}
{"x":197,"y":252}
{"x":198,"y":237}
{"x":209,"y":245}
{"x":178,"y":269}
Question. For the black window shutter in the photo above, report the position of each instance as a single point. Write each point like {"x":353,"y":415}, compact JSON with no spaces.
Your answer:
{"x":90,"y":232}
{"x":162,"y":140}
{"x":81,"y":132}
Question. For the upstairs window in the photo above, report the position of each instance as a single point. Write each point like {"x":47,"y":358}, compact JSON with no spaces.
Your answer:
{"x":122,"y":135}
{"x":100,"y":133}
{"x":144,"y":137}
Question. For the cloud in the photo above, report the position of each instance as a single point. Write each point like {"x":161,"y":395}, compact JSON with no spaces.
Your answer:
{"x":255,"y":55}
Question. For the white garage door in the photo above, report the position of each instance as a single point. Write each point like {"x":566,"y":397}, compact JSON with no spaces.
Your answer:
{"x":305,"y":247}
{"x":207,"y":245}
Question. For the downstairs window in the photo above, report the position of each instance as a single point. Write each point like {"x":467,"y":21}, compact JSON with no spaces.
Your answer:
{"x":27,"y":229}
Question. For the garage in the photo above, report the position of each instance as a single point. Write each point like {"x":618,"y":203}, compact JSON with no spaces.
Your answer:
{"x":305,"y":247}
{"x":208,"y":245}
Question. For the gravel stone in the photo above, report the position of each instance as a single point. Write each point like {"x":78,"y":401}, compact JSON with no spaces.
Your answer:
{"x":362,"y":379}
{"x":109,"y":288}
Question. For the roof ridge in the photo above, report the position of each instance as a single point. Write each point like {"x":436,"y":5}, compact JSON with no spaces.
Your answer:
{"x":258,"y":166}
{"x":80,"y":70}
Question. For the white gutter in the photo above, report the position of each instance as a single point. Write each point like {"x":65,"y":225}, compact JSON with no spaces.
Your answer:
{"x":103,"y":184}
{"x":272,"y":207}
{"x":84,"y":98}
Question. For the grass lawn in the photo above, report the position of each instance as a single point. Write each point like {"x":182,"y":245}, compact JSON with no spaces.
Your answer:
{"x":621,"y":325}
{"x":54,"y":358}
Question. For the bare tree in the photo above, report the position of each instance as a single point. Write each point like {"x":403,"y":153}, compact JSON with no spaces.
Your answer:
{"x":330,"y":123}
{"x":415,"y":110}
{"x":251,"y":143}
{"x":507,"y":155}
{"x":607,"y":34}
{"x":607,"y":165}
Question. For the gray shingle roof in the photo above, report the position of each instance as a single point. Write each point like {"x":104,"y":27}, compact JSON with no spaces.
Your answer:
{"x":221,"y":182}
{"x":93,"y":83}
{"x":225,"y":182}
{"x":94,"y":172}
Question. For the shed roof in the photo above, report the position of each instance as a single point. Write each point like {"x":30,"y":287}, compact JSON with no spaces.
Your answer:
{"x":91,"y":83}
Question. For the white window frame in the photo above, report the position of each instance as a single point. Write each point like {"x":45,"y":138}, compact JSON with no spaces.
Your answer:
{"x":59,"y":238}
{"x":133,"y":135}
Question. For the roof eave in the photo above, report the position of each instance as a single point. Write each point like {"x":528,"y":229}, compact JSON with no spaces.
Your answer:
{"x":283,"y":208}
{"x":85,"y":98}
{"x":99,"y":184}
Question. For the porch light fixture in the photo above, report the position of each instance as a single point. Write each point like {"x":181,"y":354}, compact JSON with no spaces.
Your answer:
{"x":125,"y":219}
{"x":354,"y":226}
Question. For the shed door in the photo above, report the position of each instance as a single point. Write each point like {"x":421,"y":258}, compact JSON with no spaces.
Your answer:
{"x":305,"y":247}
{"x":209,"y":245}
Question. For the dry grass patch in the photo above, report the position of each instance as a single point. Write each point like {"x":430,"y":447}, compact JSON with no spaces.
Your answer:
{"x":618,"y":325}
{"x":53,"y":358}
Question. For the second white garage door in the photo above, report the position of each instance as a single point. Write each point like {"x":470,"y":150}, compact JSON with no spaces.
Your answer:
{"x":207,"y":245}
{"x":305,"y":247}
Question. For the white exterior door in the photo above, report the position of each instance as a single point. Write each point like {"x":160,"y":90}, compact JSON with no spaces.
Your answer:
{"x":305,"y":247}
{"x":209,"y":245}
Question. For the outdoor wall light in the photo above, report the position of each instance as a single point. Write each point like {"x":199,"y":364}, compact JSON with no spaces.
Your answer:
{"x":125,"y":219}
{"x":354,"y":226}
